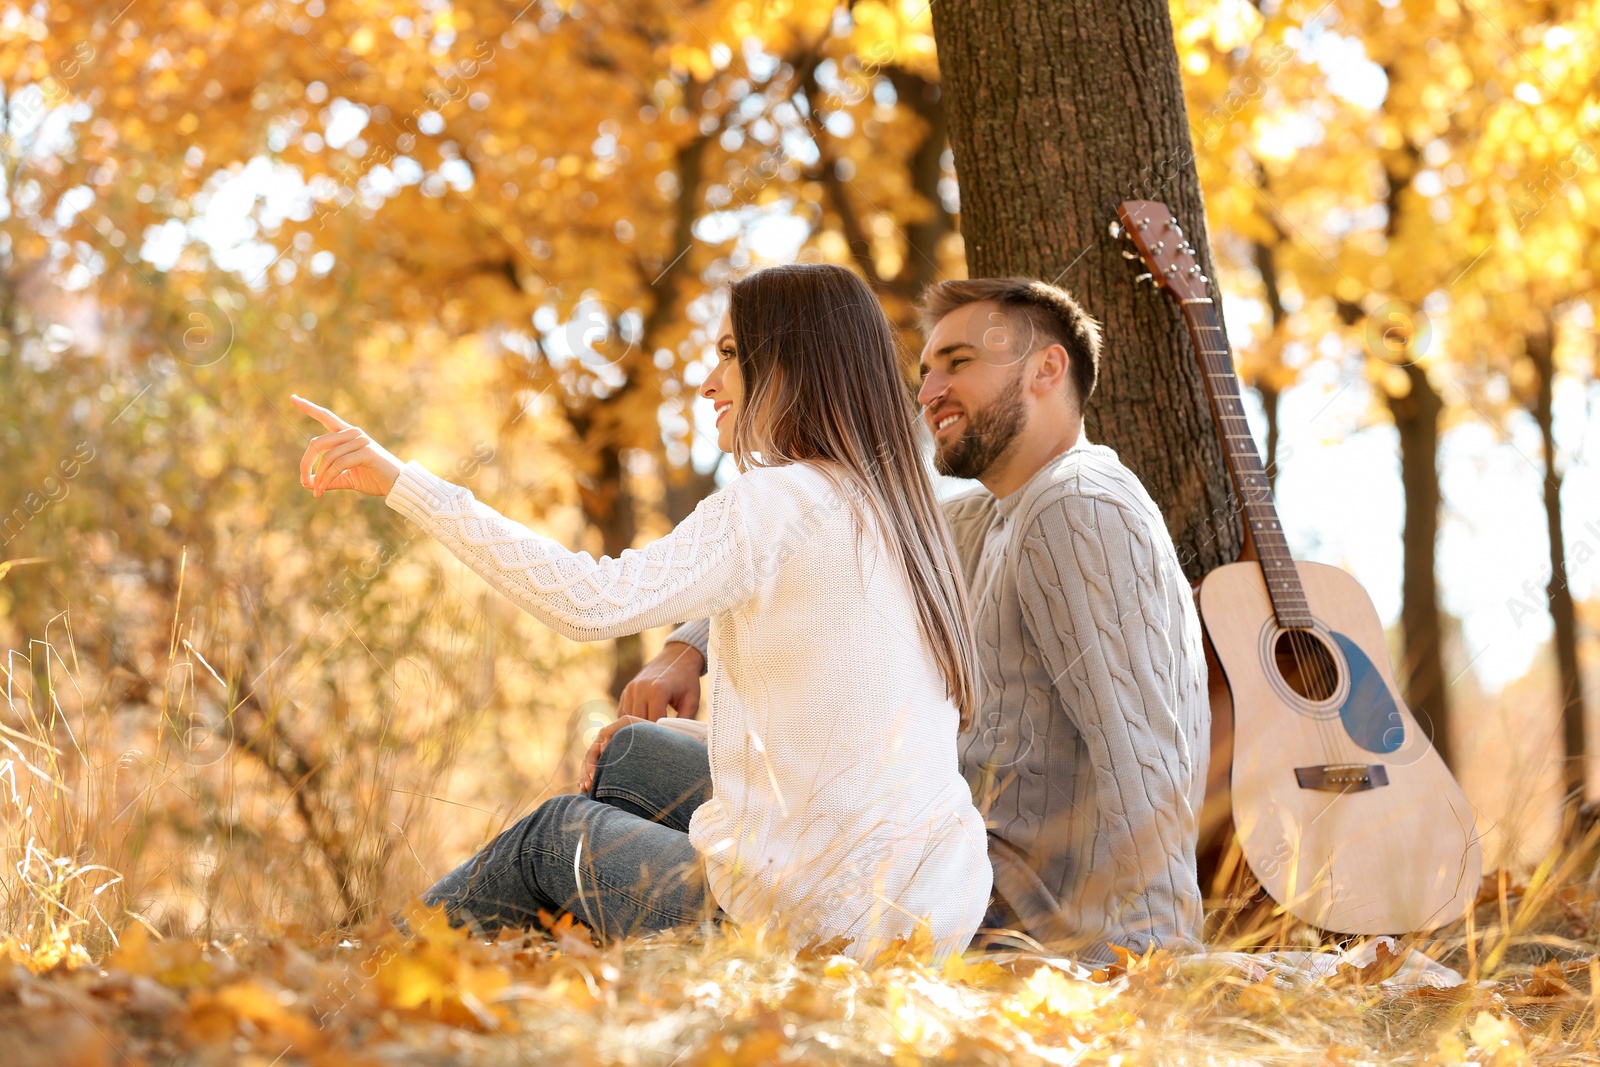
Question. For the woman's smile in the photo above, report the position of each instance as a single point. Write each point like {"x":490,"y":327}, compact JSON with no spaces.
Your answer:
{"x":724,"y":385}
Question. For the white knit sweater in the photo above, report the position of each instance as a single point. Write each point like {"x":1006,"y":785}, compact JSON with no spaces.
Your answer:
{"x":1091,"y":747}
{"x":838,"y":807}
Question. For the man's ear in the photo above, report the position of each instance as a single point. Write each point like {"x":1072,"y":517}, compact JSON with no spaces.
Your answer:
{"x":1050,"y":375}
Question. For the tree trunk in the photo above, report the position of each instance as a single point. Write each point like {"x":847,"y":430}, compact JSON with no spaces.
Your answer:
{"x":603,"y":490}
{"x":1058,"y":112}
{"x":1269,"y":458}
{"x":921,"y":266}
{"x":608,"y":506}
{"x":685,"y":492}
{"x":1416,"y":417}
{"x":1267,"y":265}
{"x":1541,"y":351}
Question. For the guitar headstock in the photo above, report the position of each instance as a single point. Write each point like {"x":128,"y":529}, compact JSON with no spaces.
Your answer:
{"x":1159,"y":243}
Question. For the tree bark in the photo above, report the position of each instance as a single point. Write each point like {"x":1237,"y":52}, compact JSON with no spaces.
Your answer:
{"x":1267,"y":265}
{"x":603,"y":491}
{"x":1058,"y":112}
{"x":1416,"y":417}
{"x":920,"y":267}
{"x":1540,"y":346}
{"x":609,"y":507}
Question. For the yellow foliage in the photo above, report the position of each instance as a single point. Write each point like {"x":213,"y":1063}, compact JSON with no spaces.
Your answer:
{"x":983,"y":973}
{"x":179,"y":964}
{"x":1499,"y":1039}
{"x":1050,"y":992}
{"x":431,"y":975}
{"x":1261,"y":998}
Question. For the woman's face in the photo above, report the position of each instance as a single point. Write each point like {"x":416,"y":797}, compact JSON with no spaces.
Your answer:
{"x":724,"y":386}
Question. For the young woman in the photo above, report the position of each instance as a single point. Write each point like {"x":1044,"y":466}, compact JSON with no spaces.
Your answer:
{"x":841,"y":663}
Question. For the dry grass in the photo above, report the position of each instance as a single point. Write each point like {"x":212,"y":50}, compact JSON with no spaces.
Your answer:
{"x":735,"y":997}
{"x":90,"y":979}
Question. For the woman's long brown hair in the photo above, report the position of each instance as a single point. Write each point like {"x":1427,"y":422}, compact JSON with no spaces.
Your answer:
{"x":822,"y":382}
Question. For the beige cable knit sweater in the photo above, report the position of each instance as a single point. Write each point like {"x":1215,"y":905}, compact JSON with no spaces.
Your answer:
{"x":1089,"y":753}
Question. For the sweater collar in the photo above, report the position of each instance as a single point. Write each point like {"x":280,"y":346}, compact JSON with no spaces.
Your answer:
{"x":1009,"y":503}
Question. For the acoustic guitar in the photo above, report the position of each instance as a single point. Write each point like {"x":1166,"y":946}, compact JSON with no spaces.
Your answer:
{"x":1344,"y":810}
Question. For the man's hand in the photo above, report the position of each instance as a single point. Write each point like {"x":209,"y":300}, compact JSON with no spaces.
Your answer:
{"x":671,"y":681}
{"x":591,"y":759}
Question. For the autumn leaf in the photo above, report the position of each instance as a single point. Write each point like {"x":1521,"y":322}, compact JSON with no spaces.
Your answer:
{"x":570,"y":936}
{"x":981,"y":972}
{"x":268,"y":1009}
{"x":823,"y":949}
{"x":432,"y":923}
{"x":1050,"y":992}
{"x":1452,"y":1051}
{"x":1383,"y":966}
{"x":1548,"y":981}
{"x":1262,"y":998}
{"x":763,"y":1043}
{"x":434,"y":973}
{"x":1495,"y":883}
{"x":1498,"y":1038}
{"x":917,"y":948}
{"x":1156,"y":966}
{"x":180,"y":964}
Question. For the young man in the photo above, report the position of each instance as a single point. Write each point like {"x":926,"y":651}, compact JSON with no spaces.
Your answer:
{"x":1089,"y":754}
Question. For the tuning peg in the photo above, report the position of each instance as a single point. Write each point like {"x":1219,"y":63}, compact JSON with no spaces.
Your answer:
{"x":1116,"y":230}
{"x":1129,"y":255}
{"x":1144,"y":278}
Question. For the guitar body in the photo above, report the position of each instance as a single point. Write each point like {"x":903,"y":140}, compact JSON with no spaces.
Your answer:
{"x":1344,"y":810}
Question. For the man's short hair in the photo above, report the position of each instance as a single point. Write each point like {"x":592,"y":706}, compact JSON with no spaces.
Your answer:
{"x":1042,"y":310}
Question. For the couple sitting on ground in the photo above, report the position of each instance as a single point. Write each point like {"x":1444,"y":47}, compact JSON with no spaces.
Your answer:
{"x":988,"y":712}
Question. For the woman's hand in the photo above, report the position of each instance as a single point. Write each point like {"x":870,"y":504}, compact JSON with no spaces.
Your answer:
{"x":591,"y":761}
{"x":345,"y":457}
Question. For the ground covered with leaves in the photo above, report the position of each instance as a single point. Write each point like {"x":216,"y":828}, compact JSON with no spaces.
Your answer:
{"x":731,"y":996}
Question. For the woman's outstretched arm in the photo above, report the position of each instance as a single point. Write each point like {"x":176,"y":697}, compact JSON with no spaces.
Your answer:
{"x":704,"y":565}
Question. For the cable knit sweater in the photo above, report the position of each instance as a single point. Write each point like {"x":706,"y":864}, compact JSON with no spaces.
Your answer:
{"x":1089,"y":752}
{"x":838,"y":807}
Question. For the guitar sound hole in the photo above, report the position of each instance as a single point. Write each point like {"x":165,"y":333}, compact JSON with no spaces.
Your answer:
{"x":1306,"y":665}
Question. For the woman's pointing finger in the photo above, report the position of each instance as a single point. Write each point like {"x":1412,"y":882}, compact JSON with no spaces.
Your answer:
{"x":328,"y":419}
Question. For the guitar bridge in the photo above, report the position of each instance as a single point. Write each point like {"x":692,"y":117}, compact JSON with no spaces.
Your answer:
{"x":1342,"y":777}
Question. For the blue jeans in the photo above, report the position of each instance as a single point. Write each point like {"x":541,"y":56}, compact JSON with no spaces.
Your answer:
{"x":618,"y":859}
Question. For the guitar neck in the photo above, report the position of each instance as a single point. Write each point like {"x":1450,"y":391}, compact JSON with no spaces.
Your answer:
{"x":1244,"y":464}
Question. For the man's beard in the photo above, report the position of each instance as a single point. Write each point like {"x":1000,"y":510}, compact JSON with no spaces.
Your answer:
{"x":988,"y":434}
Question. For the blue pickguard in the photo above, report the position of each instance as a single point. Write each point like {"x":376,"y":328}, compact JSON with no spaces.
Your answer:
{"x":1369,"y":713}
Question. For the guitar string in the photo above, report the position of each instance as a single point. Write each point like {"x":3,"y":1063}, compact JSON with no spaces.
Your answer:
{"x":1310,"y":642}
{"x":1306,"y":646}
{"x":1312,"y":662}
{"x":1304,"y":643}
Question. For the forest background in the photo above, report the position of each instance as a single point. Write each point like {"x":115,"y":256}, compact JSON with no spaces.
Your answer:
{"x":496,"y":237}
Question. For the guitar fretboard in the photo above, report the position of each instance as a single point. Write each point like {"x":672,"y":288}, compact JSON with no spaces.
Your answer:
{"x":1244,"y":465}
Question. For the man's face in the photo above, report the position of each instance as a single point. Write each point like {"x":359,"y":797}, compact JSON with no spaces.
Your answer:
{"x":972,"y":391}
